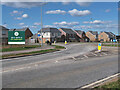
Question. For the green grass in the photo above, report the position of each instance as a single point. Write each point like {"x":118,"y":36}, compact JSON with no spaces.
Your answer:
{"x":30,"y":53}
{"x":34,"y":52}
{"x":111,"y":45}
{"x":58,"y":47}
{"x":19,"y":48}
{"x":112,"y":86}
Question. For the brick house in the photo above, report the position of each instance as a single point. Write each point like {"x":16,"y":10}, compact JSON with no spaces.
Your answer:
{"x":67,"y":34}
{"x":3,"y":35}
{"x":81,"y":36}
{"x":50,"y":34}
{"x":106,"y":36}
{"x":28,"y":34}
{"x":92,"y":35}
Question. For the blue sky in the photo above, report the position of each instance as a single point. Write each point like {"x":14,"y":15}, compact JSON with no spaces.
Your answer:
{"x":96,"y":16}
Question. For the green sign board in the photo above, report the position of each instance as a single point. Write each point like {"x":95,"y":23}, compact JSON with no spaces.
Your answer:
{"x":16,"y":37}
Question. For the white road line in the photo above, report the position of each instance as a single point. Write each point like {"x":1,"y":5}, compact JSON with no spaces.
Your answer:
{"x":100,"y":81}
{"x":94,"y":54}
{"x":86,"y":56}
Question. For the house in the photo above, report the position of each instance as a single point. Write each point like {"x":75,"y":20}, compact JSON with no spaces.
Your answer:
{"x":3,"y":35}
{"x":92,"y":35}
{"x":50,"y":34}
{"x":28,"y":34}
{"x":67,"y":35}
{"x":118,"y":38}
{"x":106,"y":36}
{"x":81,"y":36}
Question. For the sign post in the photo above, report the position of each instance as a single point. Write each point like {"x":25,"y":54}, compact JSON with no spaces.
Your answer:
{"x":99,"y":46}
{"x":16,"y":37}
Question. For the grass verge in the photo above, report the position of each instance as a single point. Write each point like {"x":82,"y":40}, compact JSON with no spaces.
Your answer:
{"x":29,"y":53}
{"x":112,"y":86}
{"x":18,"y":48}
{"x":111,"y":45}
{"x":57,"y":48}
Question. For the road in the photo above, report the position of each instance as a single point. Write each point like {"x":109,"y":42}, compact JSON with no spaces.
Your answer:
{"x":58,"y":72}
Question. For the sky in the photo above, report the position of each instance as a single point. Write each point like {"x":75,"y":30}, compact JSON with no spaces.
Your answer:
{"x":95,"y":16}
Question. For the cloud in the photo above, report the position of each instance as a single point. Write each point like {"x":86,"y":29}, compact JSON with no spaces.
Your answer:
{"x":34,"y":26}
{"x":48,"y":26}
{"x":18,"y":18}
{"x":56,"y":12}
{"x":76,"y":12}
{"x":21,"y":24}
{"x":36,"y":23}
{"x":23,"y":4}
{"x":15,"y":11}
{"x":25,"y":16}
{"x":97,"y":22}
{"x":64,"y":23}
{"x":107,"y":10}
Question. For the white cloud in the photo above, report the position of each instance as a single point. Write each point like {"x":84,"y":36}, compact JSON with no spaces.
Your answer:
{"x":107,"y":10}
{"x":97,"y":22}
{"x":23,"y":4}
{"x":25,"y":15}
{"x":21,"y":24}
{"x":36,"y":23}
{"x":18,"y":18}
{"x":56,"y":12}
{"x":15,"y":11}
{"x":64,"y":23}
{"x":76,"y":12}
{"x":34,"y":26}
{"x":47,"y":26}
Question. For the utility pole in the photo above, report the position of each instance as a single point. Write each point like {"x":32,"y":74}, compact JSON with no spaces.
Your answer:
{"x":41,"y":28}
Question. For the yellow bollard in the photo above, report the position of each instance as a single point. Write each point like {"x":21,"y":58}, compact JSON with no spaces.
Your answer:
{"x":99,"y":47}
{"x":65,"y":42}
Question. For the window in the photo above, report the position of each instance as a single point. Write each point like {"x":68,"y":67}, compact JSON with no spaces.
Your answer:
{"x":3,"y":32}
{"x":101,"y":35}
{"x":58,"y":34}
{"x":52,"y":34}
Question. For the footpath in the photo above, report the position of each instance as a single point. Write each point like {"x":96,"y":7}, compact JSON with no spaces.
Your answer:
{"x":45,"y":47}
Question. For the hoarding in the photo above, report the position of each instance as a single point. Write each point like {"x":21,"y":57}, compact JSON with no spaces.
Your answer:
{"x":16,"y":37}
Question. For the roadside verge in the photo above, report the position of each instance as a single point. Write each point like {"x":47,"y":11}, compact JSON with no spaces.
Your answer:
{"x":32,"y":53}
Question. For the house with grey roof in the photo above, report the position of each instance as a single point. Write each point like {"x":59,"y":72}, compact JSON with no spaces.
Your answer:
{"x":81,"y":36}
{"x":28,"y":34}
{"x":67,"y":34}
{"x":92,"y":35}
{"x":3,"y":35}
{"x":50,"y":34}
{"x":106,"y":36}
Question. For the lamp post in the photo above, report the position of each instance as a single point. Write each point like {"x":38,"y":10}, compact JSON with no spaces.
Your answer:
{"x":41,"y":28}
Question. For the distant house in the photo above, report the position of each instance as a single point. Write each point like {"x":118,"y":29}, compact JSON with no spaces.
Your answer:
{"x":3,"y":35}
{"x":67,"y":34}
{"x":106,"y":36}
{"x":118,"y":38}
{"x":81,"y":36}
{"x":92,"y":35}
{"x":50,"y":34}
{"x":28,"y":34}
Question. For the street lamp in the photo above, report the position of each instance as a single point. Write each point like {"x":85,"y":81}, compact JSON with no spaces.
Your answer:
{"x":42,"y":24}
{"x":41,"y":28}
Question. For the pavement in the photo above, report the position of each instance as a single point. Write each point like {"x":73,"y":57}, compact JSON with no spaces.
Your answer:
{"x":29,"y":50}
{"x":74,"y":67}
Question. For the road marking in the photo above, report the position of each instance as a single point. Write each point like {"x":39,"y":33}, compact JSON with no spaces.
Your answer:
{"x":74,"y":58}
{"x":94,"y":54}
{"x":100,"y":81}
{"x":86,"y":56}
{"x":105,"y":53}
